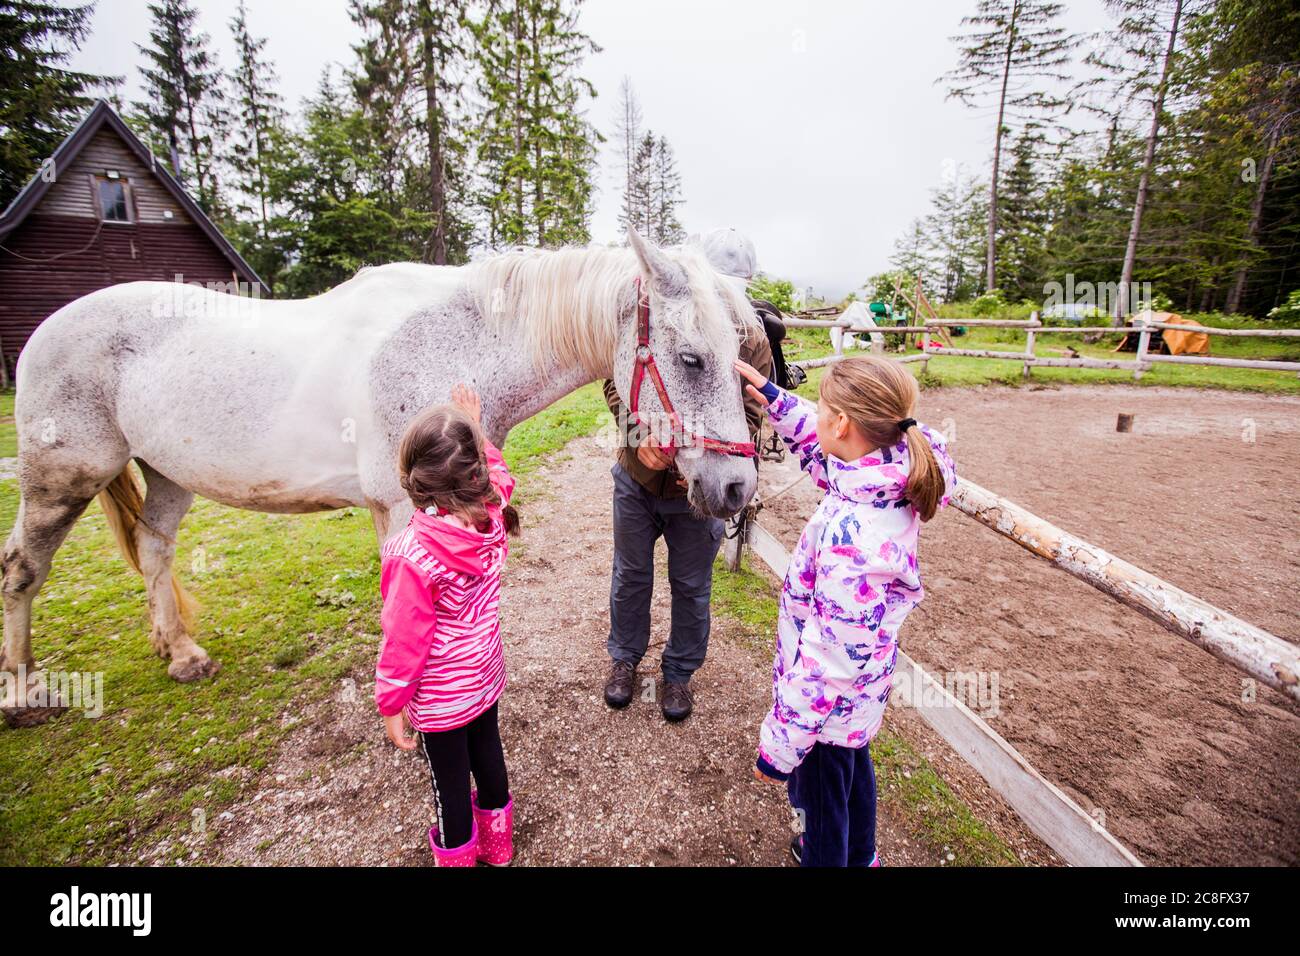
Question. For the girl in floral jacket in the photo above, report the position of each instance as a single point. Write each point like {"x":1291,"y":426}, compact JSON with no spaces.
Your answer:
{"x":852,"y":580}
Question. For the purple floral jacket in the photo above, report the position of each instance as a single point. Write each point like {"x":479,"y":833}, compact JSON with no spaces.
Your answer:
{"x":852,"y":580}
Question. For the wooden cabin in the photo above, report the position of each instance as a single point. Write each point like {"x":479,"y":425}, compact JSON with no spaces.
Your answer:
{"x":103,"y":210}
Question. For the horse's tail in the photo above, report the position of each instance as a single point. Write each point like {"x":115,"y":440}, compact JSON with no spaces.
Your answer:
{"x":123,"y":505}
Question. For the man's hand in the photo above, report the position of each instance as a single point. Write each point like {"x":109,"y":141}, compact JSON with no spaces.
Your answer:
{"x":653,"y":456}
{"x":396,"y":726}
{"x":467,"y":399}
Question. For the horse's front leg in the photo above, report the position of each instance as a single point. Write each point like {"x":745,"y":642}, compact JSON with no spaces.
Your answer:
{"x":389,"y":517}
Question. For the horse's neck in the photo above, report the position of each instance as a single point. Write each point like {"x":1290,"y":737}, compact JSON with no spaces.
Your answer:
{"x":515,"y":388}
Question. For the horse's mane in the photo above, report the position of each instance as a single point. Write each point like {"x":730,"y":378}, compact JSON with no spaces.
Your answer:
{"x":564,"y":305}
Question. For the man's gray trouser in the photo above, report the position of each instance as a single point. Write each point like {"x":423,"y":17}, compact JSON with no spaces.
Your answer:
{"x":693,"y":542}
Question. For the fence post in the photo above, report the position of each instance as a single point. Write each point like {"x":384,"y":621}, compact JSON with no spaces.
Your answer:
{"x":733,"y":546}
{"x":925,"y":349}
{"x":1029,"y":344}
{"x":1144,"y":339}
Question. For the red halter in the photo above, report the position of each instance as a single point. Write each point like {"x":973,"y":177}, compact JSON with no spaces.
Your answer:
{"x":645,"y":362}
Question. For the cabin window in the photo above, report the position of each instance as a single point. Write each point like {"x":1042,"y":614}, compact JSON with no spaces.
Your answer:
{"x":113,"y":200}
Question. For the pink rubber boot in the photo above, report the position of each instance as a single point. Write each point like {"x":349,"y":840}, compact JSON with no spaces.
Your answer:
{"x":496,"y":844}
{"x":466,"y":855}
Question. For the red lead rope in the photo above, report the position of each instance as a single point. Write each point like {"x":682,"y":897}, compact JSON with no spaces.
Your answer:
{"x":645,"y":362}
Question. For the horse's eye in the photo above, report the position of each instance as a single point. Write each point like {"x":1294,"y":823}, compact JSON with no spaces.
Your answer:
{"x":691,"y":360}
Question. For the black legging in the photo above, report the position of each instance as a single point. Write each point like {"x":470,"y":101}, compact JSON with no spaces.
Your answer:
{"x":453,"y":755}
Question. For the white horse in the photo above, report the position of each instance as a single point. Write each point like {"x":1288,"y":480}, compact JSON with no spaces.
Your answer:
{"x":297,"y":406}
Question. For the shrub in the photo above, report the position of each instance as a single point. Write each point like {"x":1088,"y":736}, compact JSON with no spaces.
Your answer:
{"x":1288,"y":311}
{"x":990,"y":303}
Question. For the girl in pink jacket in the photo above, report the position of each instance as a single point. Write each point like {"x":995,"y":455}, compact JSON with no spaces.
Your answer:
{"x":440,"y":668}
{"x":852,"y":580}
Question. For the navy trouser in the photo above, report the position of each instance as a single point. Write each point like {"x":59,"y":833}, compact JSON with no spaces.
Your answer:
{"x":640,"y":518}
{"x":835,"y":790}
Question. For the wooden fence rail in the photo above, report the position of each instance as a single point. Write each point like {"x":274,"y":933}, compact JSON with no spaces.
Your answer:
{"x":1250,"y":649}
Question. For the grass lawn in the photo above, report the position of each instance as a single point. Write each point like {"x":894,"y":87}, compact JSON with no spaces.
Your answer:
{"x":8,"y":436}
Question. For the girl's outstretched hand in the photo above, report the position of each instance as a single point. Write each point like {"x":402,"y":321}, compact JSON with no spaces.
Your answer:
{"x":465,"y":397}
{"x":764,"y":778}
{"x":397,"y":725}
{"x":754,"y":380}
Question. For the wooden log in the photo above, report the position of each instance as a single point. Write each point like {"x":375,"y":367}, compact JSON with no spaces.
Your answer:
{"x":832,"y":359}
{"x":1250,"y":649}
{"x":794,"y":323}
{"x":1059,"y":821}
{"x":1081,"y":362}
{"x":1143,"y":353}
{"x":1211,"y":330}
{"x":1276,"y":366}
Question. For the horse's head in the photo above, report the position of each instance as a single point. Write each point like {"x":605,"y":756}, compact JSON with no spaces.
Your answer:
{"x":696,"y":322}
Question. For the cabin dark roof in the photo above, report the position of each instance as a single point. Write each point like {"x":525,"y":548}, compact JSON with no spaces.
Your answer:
{"x":104,"y":115}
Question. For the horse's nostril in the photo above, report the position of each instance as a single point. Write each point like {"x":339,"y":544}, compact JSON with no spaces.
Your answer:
{"x":735,"y":495}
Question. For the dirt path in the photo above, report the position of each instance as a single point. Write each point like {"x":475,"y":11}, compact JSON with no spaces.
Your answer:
{"x":1156,"y":736}
{"x":594,"y":786}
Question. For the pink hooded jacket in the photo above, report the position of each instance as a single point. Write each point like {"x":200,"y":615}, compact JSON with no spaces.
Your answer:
{"x":441,"y":657}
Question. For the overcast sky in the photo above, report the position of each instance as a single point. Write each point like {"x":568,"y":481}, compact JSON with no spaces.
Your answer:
{"x":815,"y":126}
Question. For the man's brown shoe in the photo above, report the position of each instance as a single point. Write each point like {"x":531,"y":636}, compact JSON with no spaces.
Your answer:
{"x":618,"y":689}
{"x":677,"y":702}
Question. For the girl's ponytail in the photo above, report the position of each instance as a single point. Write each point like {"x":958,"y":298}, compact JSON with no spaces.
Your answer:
{"x":925,"y":481}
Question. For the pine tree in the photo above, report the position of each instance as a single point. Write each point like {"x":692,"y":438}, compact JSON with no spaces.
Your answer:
{"x":627,"y":139}
{"x":259,"y":110}
{"x":1147,"y":35}
{"x":954,"y":232}
{"x":1023,"y":221}
{"x":185,"y":103}
{"x":1012,"y":50}
{"x":384,"y":81}
{"x":638,"y":196}
{"x":1250,"y":51}
{"x":42,"y":100}
{"x":667,"y":195}
{"x":537,"y":150}
{"x":442,"y":55}
{"x":332,"y":215}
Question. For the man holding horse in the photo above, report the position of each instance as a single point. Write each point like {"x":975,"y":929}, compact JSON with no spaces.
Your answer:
{"x":649,"y":502}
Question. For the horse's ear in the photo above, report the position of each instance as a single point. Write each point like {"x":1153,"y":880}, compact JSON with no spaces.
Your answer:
{"x":668,"y":277}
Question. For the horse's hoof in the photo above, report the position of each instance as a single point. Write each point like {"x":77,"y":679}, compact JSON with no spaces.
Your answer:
{"x":17,"y":717}
{"x":190,"y":669}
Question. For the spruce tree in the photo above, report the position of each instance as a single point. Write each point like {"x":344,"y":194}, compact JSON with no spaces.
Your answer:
{"x":1147,"y":37}
{"x":537,"y":150}
{"x":184,"y":101}
{"x":258,"y":108}
{"x":43,"y":100}
{"x":1012,"y":53}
